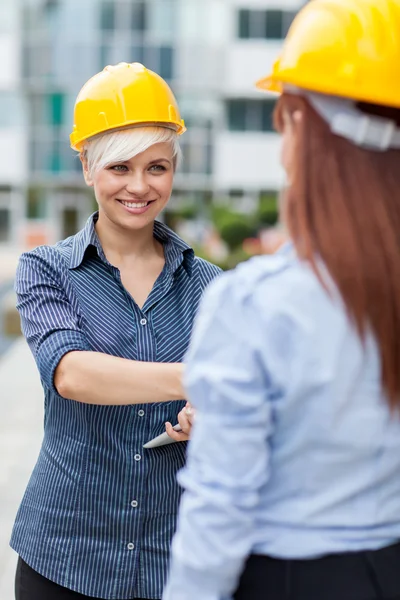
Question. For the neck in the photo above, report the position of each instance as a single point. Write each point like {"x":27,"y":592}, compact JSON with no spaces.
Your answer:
{"x":120,"y":244}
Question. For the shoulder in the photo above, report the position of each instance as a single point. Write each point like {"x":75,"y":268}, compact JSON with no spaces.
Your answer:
{"x":266,"y":285}
{"x":205,"y":270}
{"x":47,"y":259}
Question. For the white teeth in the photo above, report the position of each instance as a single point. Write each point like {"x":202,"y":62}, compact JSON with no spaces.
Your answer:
{"x":134,"y":204}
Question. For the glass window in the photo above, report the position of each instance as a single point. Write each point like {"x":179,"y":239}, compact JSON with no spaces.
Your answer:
{"x":138,"y":16}
{"x":237,"y":115}
{"x":244,"y":24}
{"x":107,"y":16}
{"x":258,"y":24}
{"x":137,"y":53}
{"x":56,"y":102}
{"x":274,"y":24}
{"x":36,"y":207}
{"x":253,"y":115}
{"x":166,"y":62}
{"x":4,"y":224}
{"x":288,"y":18}
{"x":161,"y":18}
{"x":268,"y":107}
{"x":11,"y":109}
{"x":264,"y":24}
{"x":48,"y":109}
{"x":70,"y":221}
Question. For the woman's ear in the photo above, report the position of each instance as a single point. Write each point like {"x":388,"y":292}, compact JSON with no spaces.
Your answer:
{"x":86,"y":173}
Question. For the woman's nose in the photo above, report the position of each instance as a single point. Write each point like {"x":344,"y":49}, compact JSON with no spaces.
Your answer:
{"x":137,"y":185}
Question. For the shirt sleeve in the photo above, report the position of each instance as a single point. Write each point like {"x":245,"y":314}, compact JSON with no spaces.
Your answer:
{"x":228,"y":457}
{"x":49,"y":322}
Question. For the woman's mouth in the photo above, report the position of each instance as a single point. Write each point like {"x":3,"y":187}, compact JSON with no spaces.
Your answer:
{"x":136,"y":207}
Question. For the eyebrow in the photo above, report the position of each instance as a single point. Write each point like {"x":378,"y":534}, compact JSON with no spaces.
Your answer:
{"x":158,"y":160}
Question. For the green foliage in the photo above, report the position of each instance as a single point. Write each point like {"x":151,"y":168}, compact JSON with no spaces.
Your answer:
{"x":268,"y":210}
{"x":230,"y":262}
{"x":233,"y":227}
{"x":186,"y":213}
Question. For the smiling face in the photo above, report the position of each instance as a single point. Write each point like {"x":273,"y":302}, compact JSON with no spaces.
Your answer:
{"x":131,"y":194}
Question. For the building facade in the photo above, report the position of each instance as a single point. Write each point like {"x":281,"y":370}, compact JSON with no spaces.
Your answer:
{"x":211,"y":52}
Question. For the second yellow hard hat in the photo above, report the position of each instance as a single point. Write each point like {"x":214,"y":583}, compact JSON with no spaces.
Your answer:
{"x":348,"y":48}
{"x":123,"y":95}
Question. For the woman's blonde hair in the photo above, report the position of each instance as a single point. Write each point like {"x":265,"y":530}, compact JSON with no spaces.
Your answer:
{"x":122,"y":145}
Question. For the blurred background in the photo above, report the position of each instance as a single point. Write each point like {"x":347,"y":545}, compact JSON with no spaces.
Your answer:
{"x":225,"y":198}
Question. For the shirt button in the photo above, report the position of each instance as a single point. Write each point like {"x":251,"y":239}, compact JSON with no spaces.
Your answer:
{"x":143,"y":321}
{"x":134,"y":503}
{"x":141,"y":413}
{"x":137,"y":457}
{"x":131,"y":546}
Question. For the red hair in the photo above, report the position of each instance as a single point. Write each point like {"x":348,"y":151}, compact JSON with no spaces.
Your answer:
{"x":343,"y":205}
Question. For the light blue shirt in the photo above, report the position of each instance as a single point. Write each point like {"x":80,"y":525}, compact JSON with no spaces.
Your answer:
{"x":294,"y":452}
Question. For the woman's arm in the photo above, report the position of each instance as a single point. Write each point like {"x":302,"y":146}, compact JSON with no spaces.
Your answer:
{"x":66,"y":362}
{"x":96,"y":378}
{"x":228,"y":457}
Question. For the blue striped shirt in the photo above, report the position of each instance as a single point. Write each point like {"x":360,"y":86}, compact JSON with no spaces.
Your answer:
{"x":99,"y":512}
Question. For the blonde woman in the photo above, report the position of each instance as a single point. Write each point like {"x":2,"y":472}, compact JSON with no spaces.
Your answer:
{"x":108,"y":315}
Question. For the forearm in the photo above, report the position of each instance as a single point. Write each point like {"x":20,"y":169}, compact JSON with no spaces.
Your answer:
{"x":96,"y":378}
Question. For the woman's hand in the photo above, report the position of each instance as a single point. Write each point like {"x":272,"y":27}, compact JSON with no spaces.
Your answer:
{"x":185,"y":420}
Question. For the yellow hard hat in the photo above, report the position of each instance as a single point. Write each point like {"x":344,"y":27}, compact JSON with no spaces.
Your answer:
{"x":123,"y":95}
{"x":347,"y":48}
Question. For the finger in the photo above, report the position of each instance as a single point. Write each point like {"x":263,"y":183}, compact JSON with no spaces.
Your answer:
{"x":178,"y":436}
{"x":184,"y":422}
{"x":189,"y":412}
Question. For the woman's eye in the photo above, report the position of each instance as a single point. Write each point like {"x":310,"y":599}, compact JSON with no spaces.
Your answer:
{"x":158,"y":168}
{"x":119,"y":168}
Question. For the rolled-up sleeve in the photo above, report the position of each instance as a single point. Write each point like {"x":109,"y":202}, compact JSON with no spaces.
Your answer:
{"x":228,"y":458}
{"x":49,"y":322}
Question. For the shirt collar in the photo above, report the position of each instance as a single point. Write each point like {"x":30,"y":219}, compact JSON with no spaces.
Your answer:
{"x":176,"y":251}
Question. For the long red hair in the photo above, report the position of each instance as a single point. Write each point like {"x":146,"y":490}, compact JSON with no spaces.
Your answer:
{"x":343,"y":205}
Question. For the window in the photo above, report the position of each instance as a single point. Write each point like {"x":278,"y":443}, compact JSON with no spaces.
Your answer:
{"x":264,"y":24}
{"x":57,"y":108}
{"x":123,"y":15}
{"x":161,"y":19}
{"x":4,"y":224}
{"x":107,"y":16}
{"x":237,"y":115}
{"x":48,"y":109}
{"x":36,"y":207}
{"x":11,"y":109}
{"x":138,"y":16}
{"x":274,"y":25}
{"x":37,"y":60}
{"x":70,"y":221}
{"x":166,"y":62}
{"x":157,"y":58}
{"x":250,"y":115}
{"x":197,"y":153}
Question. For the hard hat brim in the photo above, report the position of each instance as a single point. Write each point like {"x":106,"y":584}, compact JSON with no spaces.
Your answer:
{"x":270,"y":84}
{"x":77,"y":144}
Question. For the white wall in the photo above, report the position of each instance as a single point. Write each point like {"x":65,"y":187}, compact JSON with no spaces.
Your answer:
{"x":10,"y":60}
{"x":249,"y":161}
{"x":245,"y":63}
{"x":13,"y":156}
